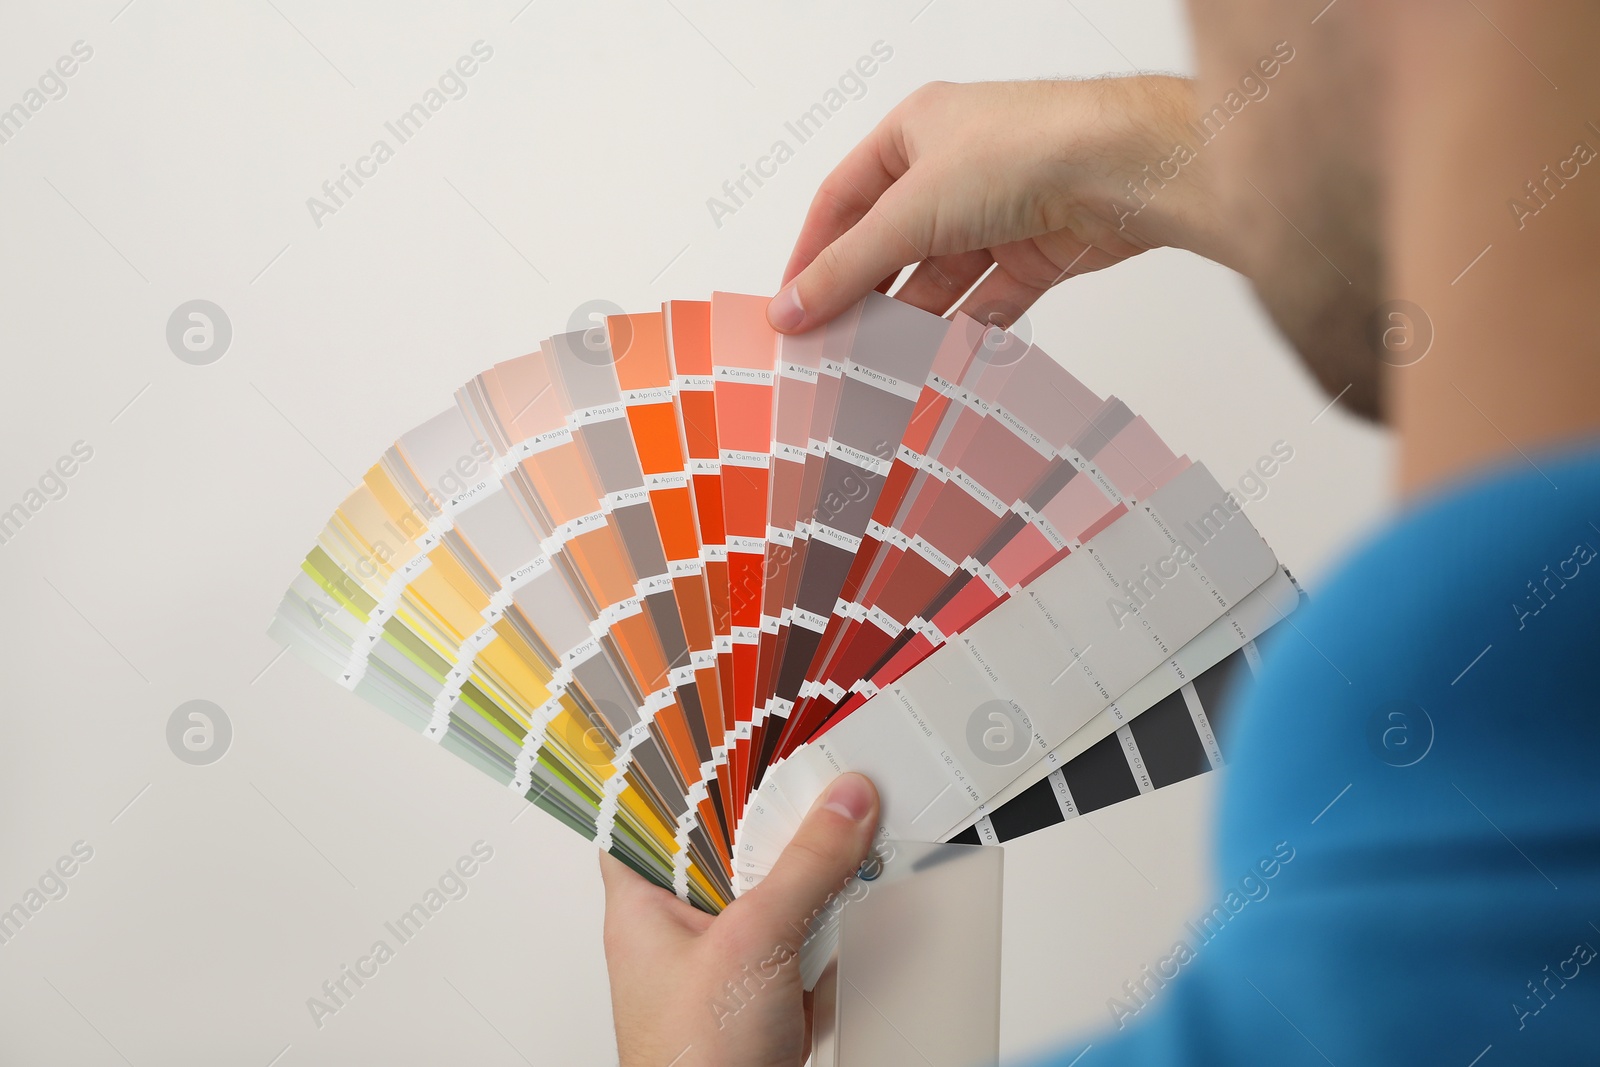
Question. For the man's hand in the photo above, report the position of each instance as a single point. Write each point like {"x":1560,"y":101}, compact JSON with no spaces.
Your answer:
{"x":688,"y":990}
{"x":1043,"y":179}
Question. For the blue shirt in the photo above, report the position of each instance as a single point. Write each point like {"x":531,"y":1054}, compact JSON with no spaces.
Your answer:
{"x":1409,"y":861}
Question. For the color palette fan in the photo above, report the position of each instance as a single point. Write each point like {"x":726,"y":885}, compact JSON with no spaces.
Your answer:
{"x":668,"y":576}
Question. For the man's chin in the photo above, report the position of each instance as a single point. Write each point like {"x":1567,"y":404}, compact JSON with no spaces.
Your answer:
{"x":1330,"y":329}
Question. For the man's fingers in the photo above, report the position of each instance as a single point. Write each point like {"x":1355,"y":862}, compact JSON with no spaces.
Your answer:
{"x":831,"y":843}
{"x":622,"y":884}
{"x":638,"y":908}
{"x":892,"y":234}
{"x":1000,"y":299}
{"x":847,"y":193}
{"x":939,"y":282}
{"x":630,"y":893}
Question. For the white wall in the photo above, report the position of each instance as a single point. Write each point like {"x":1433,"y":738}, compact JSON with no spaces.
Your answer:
{"x":577,"y":166}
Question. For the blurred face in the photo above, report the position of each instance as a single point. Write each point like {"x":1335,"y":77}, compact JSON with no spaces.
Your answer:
{"x":1298,"y":171}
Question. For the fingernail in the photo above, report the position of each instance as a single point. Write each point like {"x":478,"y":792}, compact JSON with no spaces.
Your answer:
{"x":784,"y":312}
{"x":851,"y":796}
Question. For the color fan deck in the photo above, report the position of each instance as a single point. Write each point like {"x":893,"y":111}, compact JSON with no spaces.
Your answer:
{"x":668,"y":576}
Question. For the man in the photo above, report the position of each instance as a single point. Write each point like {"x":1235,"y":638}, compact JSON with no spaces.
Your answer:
{"x":1426,"y":737}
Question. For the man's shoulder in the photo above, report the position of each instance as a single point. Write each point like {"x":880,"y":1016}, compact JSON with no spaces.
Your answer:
{"x":1422,"y":742}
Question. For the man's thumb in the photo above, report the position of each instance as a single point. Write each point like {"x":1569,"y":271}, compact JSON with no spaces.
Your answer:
{"x":831,"y":843}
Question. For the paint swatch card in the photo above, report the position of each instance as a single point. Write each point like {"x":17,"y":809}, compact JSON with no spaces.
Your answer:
{"x":667,"y":577}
